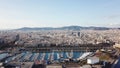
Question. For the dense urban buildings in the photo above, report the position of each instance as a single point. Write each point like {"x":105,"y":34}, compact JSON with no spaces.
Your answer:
{"x":63,"y":37}
{"x":59,"y":48}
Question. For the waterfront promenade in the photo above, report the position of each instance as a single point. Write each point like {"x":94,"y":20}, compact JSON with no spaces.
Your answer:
{"x":81,"y":48}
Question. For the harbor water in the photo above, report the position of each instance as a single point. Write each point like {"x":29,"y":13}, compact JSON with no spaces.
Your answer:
{"x":47,"y":56}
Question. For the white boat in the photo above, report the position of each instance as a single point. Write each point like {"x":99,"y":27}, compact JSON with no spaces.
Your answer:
{"x":84,"y":55}
{"x":61,"y":55}
{"x":43,"y":56}
{"x":70,"y":54}
{"x":52,"y":56}
{"x":58,"y":56}
{"x":36,"y":55}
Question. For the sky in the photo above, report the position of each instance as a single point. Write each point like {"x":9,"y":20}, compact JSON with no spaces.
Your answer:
{"x":57,"y":13}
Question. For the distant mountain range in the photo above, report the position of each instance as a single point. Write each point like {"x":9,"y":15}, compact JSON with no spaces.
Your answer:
{"x":66,"y":28}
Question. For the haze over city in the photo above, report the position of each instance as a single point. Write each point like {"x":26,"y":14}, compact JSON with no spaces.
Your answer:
{"x":57,"y":13}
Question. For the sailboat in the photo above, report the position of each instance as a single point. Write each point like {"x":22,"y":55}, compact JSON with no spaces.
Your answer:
{"x":70,"y":54}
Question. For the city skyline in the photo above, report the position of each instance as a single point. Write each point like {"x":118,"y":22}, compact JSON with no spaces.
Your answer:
{"x":58,"y":13}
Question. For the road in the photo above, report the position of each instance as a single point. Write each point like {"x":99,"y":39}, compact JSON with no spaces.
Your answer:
{"x":27,"y":65}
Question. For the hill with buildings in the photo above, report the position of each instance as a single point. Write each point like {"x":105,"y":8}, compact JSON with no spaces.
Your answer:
{"x":66,"y":28}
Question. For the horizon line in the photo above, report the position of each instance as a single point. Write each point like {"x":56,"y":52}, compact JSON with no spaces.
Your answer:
{"x":57,"y":27}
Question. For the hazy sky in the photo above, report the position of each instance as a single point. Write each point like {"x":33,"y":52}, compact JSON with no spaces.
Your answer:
{"x":57,"y":13}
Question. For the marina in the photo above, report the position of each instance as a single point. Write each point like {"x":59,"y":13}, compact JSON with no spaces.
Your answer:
{"x":48,"y":56}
